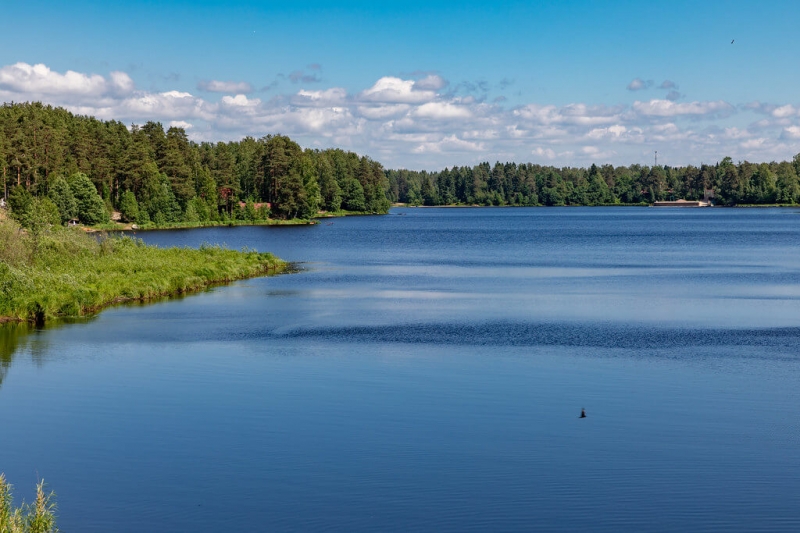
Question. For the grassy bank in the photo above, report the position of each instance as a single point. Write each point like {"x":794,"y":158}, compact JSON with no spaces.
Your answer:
{"x":63,"y":272}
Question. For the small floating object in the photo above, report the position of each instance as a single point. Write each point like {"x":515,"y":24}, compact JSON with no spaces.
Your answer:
{"x":583,"y":413}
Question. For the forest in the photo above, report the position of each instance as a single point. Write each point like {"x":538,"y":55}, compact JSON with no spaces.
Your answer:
{"x":60,"y":166}
{"x":532,"y":184}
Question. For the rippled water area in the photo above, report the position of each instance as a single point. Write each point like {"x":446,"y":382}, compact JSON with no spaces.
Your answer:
{"x":425,"y":371}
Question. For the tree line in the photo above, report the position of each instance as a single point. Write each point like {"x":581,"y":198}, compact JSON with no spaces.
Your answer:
{"x":532,"y":184}
{"x":48,"y":155}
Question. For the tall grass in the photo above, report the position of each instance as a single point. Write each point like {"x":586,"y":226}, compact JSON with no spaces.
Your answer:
{"x":36,"y":517}
{"x":64,"y":272}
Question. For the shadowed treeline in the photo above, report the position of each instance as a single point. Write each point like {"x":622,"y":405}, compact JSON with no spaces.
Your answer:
{"x":16,"y":338}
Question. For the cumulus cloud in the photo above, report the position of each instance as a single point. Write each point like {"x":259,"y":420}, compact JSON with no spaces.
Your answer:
{"x":545,"y":153}
{"x":39,"y":81}
{"x":333,"y":96}
{"x":668,"y":108}
{"x":395,"y":90}
{"x":215,"y":86}
{"x":415,"y":121}
{"x":441,"y":110}
{"x":784,"y":111}
{"x":432,"y":82}
{"x":572,"y":114}
{"x":792,"y":132}
{"x":181,"y":124}
{"x":638,"y":84}
{"x":239,"y":100}
{"x":450,"y":143}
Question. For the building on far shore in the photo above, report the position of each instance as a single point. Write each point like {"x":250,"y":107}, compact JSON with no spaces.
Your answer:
{"x":708,"y":195}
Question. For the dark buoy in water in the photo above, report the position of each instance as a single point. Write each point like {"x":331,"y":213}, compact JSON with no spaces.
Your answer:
{"x":583,"y":413}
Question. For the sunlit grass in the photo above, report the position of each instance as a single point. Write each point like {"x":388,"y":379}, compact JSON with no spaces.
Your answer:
{"x":65,"y":272}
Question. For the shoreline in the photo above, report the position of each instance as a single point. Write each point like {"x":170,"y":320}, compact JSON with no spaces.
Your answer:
{"x":129,"y":226}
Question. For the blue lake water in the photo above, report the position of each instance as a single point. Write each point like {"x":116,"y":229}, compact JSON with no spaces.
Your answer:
{"x":425,"y":371}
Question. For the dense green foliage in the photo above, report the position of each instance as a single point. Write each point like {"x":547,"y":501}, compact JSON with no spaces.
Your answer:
{"x":64,"y":272}
{"x":529,"y":184}
{"x":37,"y":517}
{"x":170,"y":178}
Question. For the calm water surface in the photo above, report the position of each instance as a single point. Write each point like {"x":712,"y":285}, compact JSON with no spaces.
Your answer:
{"x":425,"y":371}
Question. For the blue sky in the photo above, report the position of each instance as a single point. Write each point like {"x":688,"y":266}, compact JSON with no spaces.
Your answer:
{"x":429,"y":84}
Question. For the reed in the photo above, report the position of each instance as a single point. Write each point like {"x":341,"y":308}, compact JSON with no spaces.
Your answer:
{"x":36,"y":517}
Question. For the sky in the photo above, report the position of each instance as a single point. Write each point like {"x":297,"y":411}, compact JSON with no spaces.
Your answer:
{"x":428,"y":84}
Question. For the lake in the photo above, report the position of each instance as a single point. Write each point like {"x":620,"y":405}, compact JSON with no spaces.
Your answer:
{"x":425,"y":370}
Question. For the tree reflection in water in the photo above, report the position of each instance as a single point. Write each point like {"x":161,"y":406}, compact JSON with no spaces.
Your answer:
{"x":29,"y":339}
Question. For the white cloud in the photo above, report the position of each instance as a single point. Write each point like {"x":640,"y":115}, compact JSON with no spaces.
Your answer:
{"x":383,"y":112}
{"x":638,"y":84}
{"x":431,"y":82}
{"x":667,"y":108}
{"x":410,"y":123}
{"x":240,"y":100}
{"x":450,"y":143}
{"x":784,"y":111}
{"x":395,"y":90}
{"x":215,"y":86}
{"x":121,"y":83}
{"x":181,"y":124}
{"x":547,"y":153}
{"x":39,"y":82}
{"x":754,"y":143}
{"x":612,"y":132}
{"x":441,"y":110}
{"x":572,"y":114}
{"x":792,"y":132}
{"x":333,"y":96}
